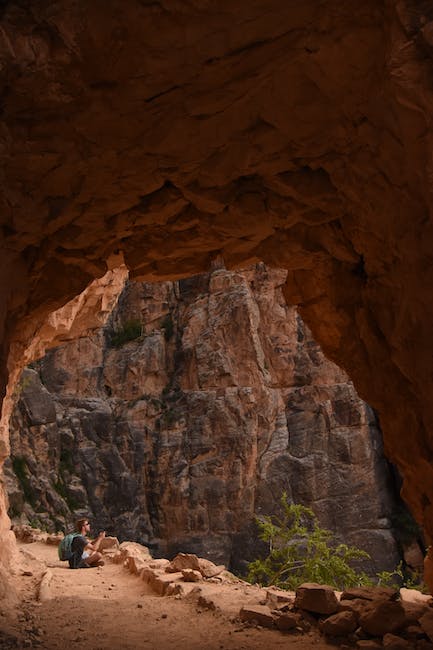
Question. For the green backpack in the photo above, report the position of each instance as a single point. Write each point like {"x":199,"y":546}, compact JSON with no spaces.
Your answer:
{"x":65,"y":546}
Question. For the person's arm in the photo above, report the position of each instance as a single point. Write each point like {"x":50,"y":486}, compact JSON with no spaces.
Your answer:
{"x":94,"y":544}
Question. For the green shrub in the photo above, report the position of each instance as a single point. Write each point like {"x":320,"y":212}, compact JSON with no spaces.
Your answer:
{"x":130,"y":331}
{"x":300,"y":551}
{"x":402,"y":576}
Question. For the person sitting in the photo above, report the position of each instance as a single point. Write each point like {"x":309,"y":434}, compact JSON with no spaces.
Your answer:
{"x":85,"y":552}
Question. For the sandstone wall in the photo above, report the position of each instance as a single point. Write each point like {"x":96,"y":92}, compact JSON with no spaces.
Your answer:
{"x":294,"y":133}
{"x":178,"y":437}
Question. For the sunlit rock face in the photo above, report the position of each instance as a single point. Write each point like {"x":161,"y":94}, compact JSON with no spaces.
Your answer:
{"x":197,"y":406}
{"x":297,"y":133}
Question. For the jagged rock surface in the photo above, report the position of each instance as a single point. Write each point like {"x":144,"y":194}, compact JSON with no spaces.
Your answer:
{"x":178,"y":437}
{"x":170,"y":132}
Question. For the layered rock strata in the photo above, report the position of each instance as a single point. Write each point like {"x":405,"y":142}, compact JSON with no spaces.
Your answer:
{"x":295,"y":133}
{"x":190,"y":413}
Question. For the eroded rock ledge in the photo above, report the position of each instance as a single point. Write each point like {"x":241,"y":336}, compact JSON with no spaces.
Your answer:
{"x":295,"y":133}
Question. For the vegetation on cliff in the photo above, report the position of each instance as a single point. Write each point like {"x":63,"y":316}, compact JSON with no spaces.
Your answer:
{"x":301,"y":551}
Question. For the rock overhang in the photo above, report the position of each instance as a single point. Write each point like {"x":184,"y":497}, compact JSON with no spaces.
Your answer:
{"x":291,"y":133}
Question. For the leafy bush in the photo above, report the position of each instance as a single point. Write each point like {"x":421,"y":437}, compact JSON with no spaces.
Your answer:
{"x":130,"y":331}
{"x":300,"y":551}
{"x":402,"y":576}
{"x":394,"y":579}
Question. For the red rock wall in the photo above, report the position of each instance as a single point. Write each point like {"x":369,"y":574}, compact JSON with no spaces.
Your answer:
{"x":179,"y":437}
{"x":294,"y":133}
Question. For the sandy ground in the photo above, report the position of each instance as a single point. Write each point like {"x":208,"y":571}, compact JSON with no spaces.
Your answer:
{"x":107,"y":607}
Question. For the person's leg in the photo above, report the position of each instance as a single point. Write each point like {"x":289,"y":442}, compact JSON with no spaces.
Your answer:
{"x":94,"y":559}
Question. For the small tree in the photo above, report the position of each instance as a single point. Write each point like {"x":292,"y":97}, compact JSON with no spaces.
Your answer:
{"x":300,"y":551}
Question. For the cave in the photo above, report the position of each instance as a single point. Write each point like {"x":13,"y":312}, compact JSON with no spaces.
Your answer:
{"x":165,"y":136}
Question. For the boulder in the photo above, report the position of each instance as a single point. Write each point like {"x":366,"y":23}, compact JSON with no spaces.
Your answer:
{"x":370,"y":593}
{"x":287,"y":621}
{"x":190,"y":561}
{"x":208,"y":569}
{"x":131,"y":549}
{"x":183,"y":561}
{"x":319,"y":599}
{"x":414,"y":596}
{"x":382,"y":617}
{"x":339,"y":624}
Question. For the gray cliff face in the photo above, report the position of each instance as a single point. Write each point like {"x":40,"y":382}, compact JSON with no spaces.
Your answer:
{"x":178,"y":437}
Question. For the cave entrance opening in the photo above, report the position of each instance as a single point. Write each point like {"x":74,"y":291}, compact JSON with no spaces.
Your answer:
{"x":188,"y":413}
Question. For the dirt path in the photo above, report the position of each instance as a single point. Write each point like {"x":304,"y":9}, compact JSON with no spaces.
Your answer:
{"x":107,"y":607}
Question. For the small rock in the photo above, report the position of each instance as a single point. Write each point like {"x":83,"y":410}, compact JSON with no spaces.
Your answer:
{"x":382,"y":617}
{"x":414,"y":596}
{"x":370,"y":593}
{"x":320,"y":599}
{"x":339,"y":624}
{"x":393,"y":642}
{"x":276,"y":597}
{"x":369,"y":644}
{"x":190,"y":575}
{"x":208,"y":569}
{"x":287,"y":621}
{"x":54,"y":540}
{"x":258,"y":614}
{"x":194,"y":594}
{"x":356,"y":605}
{"x":183,"y":561}
{"x":206,"y":603}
